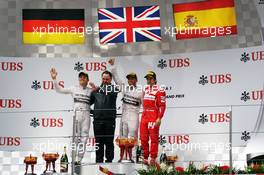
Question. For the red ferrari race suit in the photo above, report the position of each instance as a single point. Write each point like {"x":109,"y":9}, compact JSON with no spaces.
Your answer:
{"x":154,"y":105}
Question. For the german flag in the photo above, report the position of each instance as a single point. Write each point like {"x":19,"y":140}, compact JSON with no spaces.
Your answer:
{"x":209,"y":18}
{"x":53,"y":26}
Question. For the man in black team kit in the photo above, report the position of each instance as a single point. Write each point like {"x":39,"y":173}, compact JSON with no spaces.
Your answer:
{"x":104,"y":100}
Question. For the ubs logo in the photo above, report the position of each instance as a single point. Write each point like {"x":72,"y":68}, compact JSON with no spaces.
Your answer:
{"x":174,"y":63}
{"x":46,"y":122}
{"x":11,"y":66}
{"x":46,"y":85}
{"x":90,"y":66}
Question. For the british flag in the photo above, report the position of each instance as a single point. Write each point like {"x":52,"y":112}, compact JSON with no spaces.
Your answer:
{"x":129,"y":24}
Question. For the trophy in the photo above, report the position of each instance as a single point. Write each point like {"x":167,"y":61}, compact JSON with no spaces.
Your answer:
{"x":50,"y":158}
{"x":131,"y":142}
{"x":121,"y":142}
{"x":30,"y":161}
{"x":126,"y":145}
{"x":171,"y":160}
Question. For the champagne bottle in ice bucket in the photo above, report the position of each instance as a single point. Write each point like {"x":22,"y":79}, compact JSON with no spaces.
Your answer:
{"x":64,"y":162}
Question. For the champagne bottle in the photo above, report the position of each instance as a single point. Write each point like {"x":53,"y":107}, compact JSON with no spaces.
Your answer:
{"x":138,"y":153}
{"x":163,"y":156}
{"x":64,"y":162}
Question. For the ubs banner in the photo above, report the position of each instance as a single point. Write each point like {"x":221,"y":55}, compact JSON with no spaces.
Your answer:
{"x":202,"y":89}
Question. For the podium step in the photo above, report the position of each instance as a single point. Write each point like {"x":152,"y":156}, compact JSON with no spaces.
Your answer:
{"x":115,"y":168}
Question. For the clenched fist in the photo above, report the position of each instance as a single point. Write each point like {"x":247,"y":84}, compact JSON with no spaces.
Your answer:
{"x":111,"y":61}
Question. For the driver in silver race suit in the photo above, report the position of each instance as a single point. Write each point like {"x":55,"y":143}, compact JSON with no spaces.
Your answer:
{"x":132,"y":100}
{"x":81,"y":106}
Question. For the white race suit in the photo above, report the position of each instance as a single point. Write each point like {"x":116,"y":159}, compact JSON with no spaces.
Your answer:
{"x":81,"y":107}
{"x":132,"y":100}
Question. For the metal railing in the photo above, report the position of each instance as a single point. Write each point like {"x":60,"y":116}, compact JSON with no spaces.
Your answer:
{"x":228,"y":133}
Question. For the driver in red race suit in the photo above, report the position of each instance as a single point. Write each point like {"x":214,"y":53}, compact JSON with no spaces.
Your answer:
{"x":154,"y":105}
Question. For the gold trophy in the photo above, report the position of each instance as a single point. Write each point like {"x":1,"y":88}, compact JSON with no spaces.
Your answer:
{"x":121,"y":142}
{"x":30,"y":161}
{"x":171,"y":160}
{"x":50,"y":158}
{"x":131,"y":142}
{"x":126,"y":146}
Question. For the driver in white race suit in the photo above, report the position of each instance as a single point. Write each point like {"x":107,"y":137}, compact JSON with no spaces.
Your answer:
{"x":132,"y":100}
{"x":81,"y":106}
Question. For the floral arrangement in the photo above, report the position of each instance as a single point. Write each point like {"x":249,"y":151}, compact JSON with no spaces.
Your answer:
{"x":164,"y":169}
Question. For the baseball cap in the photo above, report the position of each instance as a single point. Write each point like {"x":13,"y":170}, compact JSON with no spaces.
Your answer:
{"x":83,"y":74}
{"x":150,"y":74}
{"x":132,"y":75}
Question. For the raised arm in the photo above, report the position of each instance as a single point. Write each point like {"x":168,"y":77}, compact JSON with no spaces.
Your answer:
{"x":113,"y":70}
{"x":53,"y":74}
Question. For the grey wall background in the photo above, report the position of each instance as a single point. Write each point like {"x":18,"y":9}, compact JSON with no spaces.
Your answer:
{"x":260,"y":8}
{"x":249,"y":29}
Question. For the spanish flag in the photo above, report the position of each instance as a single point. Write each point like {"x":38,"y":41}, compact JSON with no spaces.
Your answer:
{"x":209,"y":18}
{"x":53,"y":26}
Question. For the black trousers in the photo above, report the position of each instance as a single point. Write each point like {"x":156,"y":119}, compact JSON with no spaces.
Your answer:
{"x":104,"y":132}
